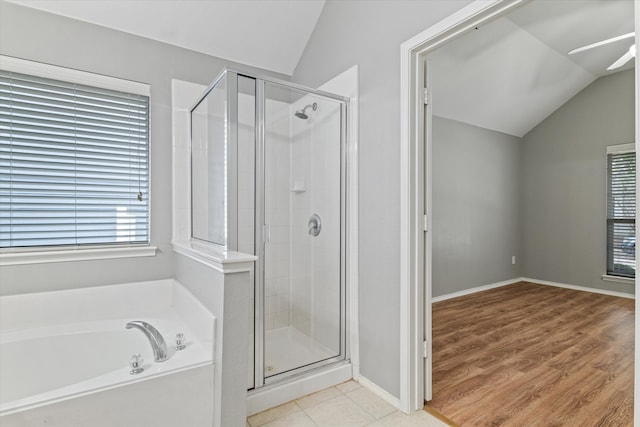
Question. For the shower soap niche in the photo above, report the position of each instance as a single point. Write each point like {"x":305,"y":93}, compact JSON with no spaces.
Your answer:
{"x":299,"y":186}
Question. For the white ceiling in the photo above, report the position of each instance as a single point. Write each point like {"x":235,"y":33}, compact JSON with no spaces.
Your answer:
{"x":510,"y":74}
{"x":507,"y":75}
{"x":267,"y":34}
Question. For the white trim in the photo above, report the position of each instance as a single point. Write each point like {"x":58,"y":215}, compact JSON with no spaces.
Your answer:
{"x":621,"y":148}
{"x":40,"y":69}
{"x":215,"y":257}
{"x":536,"y":281}
{"x":413,"y":301}
{"x":183,"y":96}
{"x":579,"y":288}
{"x":618,"y":279}
{"x":476,"y":289}
{"x":380,"y":392}
{"x":83,"y":254}
{"x":636,"y":396}
{"x":425,"y":365}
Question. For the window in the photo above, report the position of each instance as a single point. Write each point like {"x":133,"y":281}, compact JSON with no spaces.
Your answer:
{"x":621,"y":210}
{"x":74,"y":159}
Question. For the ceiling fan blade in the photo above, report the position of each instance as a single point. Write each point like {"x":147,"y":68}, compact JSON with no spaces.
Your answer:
{"x":621,"y":61}
{"x":602,"y":43}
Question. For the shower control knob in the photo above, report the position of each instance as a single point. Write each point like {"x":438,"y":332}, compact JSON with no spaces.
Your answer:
{"x":315,"y":225}
{"x":135,"y":363}
{"x":180,"y":345}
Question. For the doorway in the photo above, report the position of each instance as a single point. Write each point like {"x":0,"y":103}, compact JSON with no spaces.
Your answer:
{"x":416,"y":210}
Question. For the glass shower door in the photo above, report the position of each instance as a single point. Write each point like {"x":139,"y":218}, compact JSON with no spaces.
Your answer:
{"x":268,"y":167}
{"x":302,"y":169}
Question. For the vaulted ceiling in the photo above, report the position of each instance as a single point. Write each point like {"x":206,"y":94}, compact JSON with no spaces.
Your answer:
{"x":507,"y":75}
{"x":269,"y":34}
{"x":510,"y":74}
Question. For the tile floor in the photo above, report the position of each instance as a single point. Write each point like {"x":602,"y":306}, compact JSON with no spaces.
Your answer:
{"x":345,"y":405}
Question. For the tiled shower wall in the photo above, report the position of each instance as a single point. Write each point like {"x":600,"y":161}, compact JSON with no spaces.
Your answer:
{"x":277,"y":214}
{"x":302,"y":177}
{"x":277,"y":205}
{"x":315,"y":261}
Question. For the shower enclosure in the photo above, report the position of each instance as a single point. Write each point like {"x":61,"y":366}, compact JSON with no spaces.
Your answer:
{"x":268,"y":178}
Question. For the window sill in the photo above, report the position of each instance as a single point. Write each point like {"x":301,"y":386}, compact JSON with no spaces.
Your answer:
{"x":21,"y":258}
{"x":618,"y":279}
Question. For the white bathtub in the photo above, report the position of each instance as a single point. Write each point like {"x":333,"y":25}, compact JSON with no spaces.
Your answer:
{"x":64,"y":358}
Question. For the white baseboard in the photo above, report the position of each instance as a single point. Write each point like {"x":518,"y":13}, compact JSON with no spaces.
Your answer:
{"x":380,"y":392}
{"x":476,"y":289}
{"x":537,"y":281}
{"x":579,"y":288}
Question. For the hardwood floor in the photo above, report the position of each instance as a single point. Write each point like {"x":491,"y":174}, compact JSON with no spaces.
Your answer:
{"x":534,"y":355}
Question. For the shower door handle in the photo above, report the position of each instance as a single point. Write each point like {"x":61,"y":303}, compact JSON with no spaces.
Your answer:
{"x":266,"y":233}
{"x":315,"y":225}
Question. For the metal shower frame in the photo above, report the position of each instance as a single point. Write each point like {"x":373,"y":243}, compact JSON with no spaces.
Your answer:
{"x":231,"y":113}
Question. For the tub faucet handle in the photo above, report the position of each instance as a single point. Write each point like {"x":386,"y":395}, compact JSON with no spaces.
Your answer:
{"x":180,"y":345}
{"x":135,"y":363}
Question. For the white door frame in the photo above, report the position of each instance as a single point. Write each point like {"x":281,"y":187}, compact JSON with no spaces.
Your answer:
{"x":415,"y":245}
{"x":415,"y":182}
{"x":636,"y":382}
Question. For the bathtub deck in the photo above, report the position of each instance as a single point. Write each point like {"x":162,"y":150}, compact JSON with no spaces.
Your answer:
{"x":60,"y":346}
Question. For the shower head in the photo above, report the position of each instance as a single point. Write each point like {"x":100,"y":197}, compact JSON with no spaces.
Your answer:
{"x":301,"y":113}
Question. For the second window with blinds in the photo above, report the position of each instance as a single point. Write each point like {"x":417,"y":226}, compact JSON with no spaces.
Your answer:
{"x":621,"y":210}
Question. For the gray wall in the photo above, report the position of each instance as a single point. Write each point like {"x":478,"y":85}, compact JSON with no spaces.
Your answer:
{"x":369,"y":34}
{"x":541,"y":197}
{"x":74,"y":44}
{"x":476,"y":209}
{"x":564,"y":184}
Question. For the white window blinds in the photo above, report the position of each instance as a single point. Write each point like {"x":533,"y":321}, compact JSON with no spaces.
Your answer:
{"x":621,"y":213}
{"x":74,"y":164}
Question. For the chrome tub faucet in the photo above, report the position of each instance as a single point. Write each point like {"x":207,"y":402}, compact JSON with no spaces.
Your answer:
{"x":159,"y":347}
